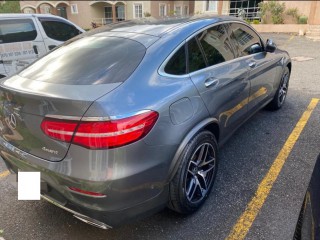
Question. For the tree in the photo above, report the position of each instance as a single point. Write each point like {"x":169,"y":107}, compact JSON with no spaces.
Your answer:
{"x":10,"y":7}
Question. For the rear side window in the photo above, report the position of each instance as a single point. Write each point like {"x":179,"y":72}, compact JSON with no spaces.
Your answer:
{"x":17,"y":30}
{"x":245,"y":40}
{"x":216,"y":45}
{"x":196,"y":60}
{"x":59,"y":30}
{"x":88,"y":61}
{"x":177,"y":63}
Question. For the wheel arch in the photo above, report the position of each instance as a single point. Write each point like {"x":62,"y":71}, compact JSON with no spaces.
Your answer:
{"x":210,"y":124}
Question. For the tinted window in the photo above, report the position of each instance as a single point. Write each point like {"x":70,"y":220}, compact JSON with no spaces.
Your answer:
{"x":177,"y":64}
{"x":245,"y":40}
{"x":88,"y":61}
{"x":59,"y":30}
{"x":216,"y":45}
{"x":18,"y":30}
{"x":196,"y":60}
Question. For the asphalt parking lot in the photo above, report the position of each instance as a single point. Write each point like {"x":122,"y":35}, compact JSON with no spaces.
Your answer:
{"x":264,"y":172}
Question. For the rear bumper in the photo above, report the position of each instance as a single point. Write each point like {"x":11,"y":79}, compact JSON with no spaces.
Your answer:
{"x":127,"y":199}
{"x":79,"y":216}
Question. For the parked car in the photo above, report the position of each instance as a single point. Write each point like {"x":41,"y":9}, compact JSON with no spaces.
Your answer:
{"x":26,"y":37}
{"x":308,"y":226}
{"x":125,"y":120}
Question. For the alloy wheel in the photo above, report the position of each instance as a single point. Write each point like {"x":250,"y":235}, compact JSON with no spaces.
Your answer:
{"x":283,"y":88}
{"x":201,"y":171}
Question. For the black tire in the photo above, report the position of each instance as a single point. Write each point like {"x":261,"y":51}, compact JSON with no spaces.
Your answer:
{"x":281,"y":94}
{"x":195,"y":176}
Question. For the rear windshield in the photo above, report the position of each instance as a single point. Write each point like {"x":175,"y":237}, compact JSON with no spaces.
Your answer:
{"x":88,"y":61}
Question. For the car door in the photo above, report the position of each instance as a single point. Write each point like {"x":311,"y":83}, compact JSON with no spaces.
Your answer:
{"x":56,"y":31}
{"x":220,"y":78}
{"x":20,"y":43}
{"x":263,"y":66}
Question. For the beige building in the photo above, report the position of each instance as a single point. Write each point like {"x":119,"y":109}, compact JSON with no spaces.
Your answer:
{"x":311,"y":9}
{"x":84,"y":13}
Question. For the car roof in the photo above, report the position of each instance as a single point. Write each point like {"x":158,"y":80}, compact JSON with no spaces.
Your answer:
{"x":159,"y":27}
{"x":24,"y":15}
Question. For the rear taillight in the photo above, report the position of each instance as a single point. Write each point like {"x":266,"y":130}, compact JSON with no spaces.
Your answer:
{"x":59,"y":129}
{"x":97,"y":135}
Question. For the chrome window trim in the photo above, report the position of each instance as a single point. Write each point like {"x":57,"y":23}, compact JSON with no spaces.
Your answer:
{"x":161,"y":71}
{"x":72,"y":118}
{"x":96,"y":119}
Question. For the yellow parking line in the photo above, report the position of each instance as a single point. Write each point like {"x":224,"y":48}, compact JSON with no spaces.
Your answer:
{"x":241,"y":228}
{"x":288,"y":41}
{"x":4,"y":174}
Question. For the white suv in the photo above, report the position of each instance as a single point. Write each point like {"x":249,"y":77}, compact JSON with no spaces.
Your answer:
{"x":26,"y":37}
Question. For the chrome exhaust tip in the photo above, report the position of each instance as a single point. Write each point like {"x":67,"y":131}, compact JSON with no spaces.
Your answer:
{"x":92,"y":222}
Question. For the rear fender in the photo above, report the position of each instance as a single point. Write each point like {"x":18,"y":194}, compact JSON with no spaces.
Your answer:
{"x":176,"y":159}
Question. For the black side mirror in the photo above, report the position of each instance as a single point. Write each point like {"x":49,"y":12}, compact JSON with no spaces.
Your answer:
{"x":270,"y":46}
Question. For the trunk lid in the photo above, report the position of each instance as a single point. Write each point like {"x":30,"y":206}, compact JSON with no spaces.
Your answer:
{"x":24,"y":103}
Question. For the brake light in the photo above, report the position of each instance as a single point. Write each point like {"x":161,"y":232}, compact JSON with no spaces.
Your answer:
{"x":59,"y":129}
{"x":104,"y":134}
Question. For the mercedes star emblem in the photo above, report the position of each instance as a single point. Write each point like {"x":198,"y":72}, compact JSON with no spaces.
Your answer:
{"x":13,"y":121}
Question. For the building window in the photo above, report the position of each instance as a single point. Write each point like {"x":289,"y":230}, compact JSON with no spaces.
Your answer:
{"x":120,"y":13}
{"x":46,"y":9}
{"x":74,"y":8}
{"x":186,"y":10}
{"x":108,"y":13}
{"x":211,"y":5}
{"x":177,"y":10}
{"x":162,"y":10}
{"x":137,"y":10}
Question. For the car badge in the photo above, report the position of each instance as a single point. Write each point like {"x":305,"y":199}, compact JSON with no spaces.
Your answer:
{"x":12,"y":121}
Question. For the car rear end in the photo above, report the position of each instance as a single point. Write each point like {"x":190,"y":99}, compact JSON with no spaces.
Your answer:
{"x":93,"y":167}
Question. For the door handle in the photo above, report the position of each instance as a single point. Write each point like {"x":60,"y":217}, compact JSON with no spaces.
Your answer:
{"x":211,"y":82}
{"x":252,"y":64}
{"x":35,"y":49}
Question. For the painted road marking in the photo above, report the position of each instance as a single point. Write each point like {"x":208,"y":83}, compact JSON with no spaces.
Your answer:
{"x":241,"y":228}
{"x":4,"y":174}
{"x":288,"y":41}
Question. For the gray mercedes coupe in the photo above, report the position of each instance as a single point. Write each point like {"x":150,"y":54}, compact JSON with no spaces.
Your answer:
{"x":127,"y":119}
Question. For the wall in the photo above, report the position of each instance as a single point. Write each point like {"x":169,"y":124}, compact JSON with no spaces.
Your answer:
{"x":281,"y":28}
{"x":314,"y":16}
{"x":146,"y":7}
{"x":199,"y":7}
{"x":303,"y":6}
{"x":155,"y":7}
{"x":84,"y":16}
{"x":28,"y":3}
{"x":311,"y":9}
